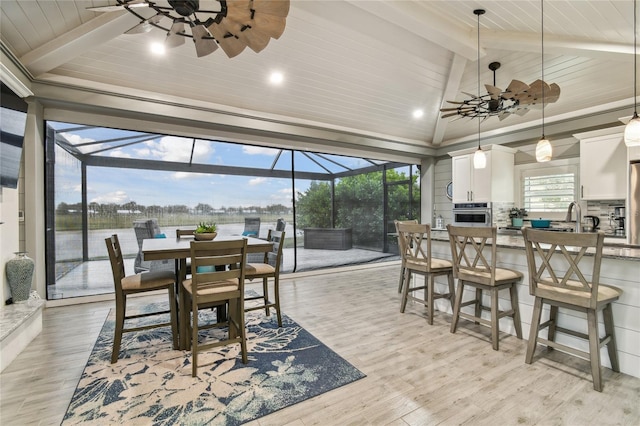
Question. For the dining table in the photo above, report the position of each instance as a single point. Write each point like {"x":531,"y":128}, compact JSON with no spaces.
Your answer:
{"x":180,"y":249}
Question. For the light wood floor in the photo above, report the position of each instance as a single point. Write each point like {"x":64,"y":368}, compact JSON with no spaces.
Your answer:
{"x":416,"y":374}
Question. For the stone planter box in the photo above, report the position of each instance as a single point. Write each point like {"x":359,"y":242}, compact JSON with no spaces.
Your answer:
{"x":327,"y":238}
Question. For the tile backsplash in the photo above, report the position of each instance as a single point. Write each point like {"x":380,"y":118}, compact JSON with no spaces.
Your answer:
{"x":603,"y":210}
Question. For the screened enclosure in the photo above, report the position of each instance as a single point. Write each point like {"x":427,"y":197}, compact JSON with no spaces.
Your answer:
{"x":100,"y":180}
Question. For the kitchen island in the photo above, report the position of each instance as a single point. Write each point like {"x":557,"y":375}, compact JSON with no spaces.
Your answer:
{"x":620,"y":268}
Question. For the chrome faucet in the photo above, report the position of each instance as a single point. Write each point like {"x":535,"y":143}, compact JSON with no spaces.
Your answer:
{"x":578,"y":215}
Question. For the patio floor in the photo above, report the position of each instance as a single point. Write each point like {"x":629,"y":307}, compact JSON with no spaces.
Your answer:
{"x":94,"y":277}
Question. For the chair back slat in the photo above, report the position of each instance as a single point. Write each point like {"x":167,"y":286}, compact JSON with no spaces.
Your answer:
{"x":185,"y":233}
{"x":117,"y":261}
{"x":274,"y":256}
{"x":558,"y":267}
{"x":216,"y":262}
{"x":470,"y":247}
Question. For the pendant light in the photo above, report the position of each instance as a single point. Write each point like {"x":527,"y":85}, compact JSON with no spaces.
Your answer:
{"x":479,"y":158}
{"x":543,"y":148}
{"x":632,"y":130}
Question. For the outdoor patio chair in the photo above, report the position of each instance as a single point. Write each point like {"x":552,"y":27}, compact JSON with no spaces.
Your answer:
{"x":139,"y":283}
{"x":251,"y":227}
{"x":212,"y":284}
{"x":415,"y":243}
{"x":148,"y":228}
{"x":268,"y":268}
{"x":558,"y":271}
{"x":470,"y":247}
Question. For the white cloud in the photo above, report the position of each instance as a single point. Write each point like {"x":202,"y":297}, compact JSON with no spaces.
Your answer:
{"x":117,"y":197}
{"x":259,"y":150}
{"x":257,"y":181}
{"x":77,"y":139}
{"x":119,"y":153}
{"x":173,"y":148}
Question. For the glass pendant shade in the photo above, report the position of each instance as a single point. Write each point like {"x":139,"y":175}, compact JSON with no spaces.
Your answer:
{"x":543,"y":150}
{"x":632,"y":131}
{"x":479,"y":159}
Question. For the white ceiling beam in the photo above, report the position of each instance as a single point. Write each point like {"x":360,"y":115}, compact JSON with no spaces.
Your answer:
{"x":531,"y":42}
{"x":72,"y":44}
{"x":450,"y":91}
{"x":431,"y":26}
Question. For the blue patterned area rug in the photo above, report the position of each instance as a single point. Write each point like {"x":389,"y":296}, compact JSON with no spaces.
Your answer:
{"x":151,"y":383}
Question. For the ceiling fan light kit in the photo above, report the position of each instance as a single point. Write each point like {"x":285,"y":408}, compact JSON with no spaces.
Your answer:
{"x":479,"y":158}
{"x":632,"y":129}
{"x":543,"y":148}
{"x":232,"y":25}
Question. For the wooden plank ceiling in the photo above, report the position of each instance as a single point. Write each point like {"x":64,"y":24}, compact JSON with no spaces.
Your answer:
{"x":359,"y":66}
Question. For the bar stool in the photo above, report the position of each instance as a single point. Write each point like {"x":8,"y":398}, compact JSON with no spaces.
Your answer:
{"x":415,"y":243}
{"x":402,"y":249}
{"x":469,"y":247}
{"x":562,"y":283}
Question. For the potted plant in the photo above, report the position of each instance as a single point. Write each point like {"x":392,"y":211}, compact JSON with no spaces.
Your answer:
{"x":516,"y":214}
{"x":205,"y":231}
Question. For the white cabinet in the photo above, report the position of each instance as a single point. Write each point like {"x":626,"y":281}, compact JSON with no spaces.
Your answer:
{"x":603,"y":166}
{"x":494,"y":183}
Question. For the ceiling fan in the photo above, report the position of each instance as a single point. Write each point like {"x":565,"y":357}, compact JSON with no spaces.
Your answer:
{"x":232,"y":25}
{"x":518,"y":98}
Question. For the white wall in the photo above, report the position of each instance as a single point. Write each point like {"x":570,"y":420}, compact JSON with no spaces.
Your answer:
{"x":9,"y":235}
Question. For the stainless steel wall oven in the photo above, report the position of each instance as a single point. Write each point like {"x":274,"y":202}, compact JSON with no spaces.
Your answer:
{"x":472,"y":214}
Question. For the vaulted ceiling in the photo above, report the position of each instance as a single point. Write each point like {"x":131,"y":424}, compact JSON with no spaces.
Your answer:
{"x":358,"y":67}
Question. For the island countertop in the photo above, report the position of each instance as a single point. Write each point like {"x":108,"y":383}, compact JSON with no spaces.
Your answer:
{"x":612,"y":248}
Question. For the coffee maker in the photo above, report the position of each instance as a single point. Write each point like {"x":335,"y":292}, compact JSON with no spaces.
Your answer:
{"x":619,"y":218}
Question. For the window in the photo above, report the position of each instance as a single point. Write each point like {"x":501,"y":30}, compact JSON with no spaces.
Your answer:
{"x":548,"y":189}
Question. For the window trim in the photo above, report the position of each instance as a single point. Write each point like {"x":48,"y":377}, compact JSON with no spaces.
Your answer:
{"x":570,"y":165}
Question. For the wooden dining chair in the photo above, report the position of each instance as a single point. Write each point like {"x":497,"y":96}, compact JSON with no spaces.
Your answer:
{"x":402,"y":250}
{"x":417,"y":259}
{"x":561,"y":275}
{"x":474,"y":254}
{"x":268,"y":268}
{"x":217,"y":278}
{"x":125,"y":285}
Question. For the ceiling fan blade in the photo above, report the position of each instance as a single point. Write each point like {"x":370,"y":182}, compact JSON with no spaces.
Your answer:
{"x":494,"y":91}
{"x":451,"y":114}
{"x":131,"y":4}
{"x":471,"y":95}
{"x":516,"y":86}
{"x":204,"y":45}
{"x":503,"y":115}
{"x":174,"y":39}
{"x":522,"y":111}
{"x":231,"y":45}
{"x":456,"y":102}
{"x":271,"y":7}
{"x":554,"y":91}
{"x":239,"y":10}
{"x":247,"y":35}
{"x":145,"y":26}
{"x":271,"y":25}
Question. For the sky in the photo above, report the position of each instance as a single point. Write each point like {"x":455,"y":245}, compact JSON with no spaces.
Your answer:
{"x":146,"y":187}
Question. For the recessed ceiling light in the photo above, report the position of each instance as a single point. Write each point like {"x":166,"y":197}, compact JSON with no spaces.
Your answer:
{"x":418,"y":113}
{"x":158,"y":48}
{"x":276,"y":78}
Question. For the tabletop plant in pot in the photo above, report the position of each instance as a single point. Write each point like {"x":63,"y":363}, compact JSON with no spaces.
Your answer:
{"x":205,"y":231}
{"x":517,"y":214}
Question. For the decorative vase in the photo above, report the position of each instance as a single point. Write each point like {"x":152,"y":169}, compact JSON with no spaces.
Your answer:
{"x":517,"y":221}
{"x":20,"y":273}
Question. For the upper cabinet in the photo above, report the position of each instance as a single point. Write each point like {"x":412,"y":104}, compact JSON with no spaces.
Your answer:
{"x":494,"y":183}
{"x":603,"y":165}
